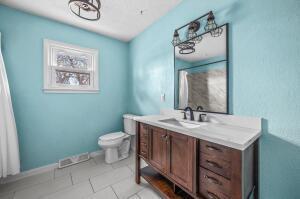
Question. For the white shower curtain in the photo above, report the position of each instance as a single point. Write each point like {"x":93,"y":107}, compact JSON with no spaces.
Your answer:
{"x":183,"y":89}
{"x":9,"y":146}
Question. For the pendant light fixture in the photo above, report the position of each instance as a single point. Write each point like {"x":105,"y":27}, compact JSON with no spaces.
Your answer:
{"x":187,"y":47}
{"x":193,"y":28}
{"x":176,"y":38}
{"x":86,"y":9}
{"x":211,"y":26}
{"x":192,"y":32}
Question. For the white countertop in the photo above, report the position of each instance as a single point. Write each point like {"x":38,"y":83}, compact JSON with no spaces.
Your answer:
{"x":229,"y":135}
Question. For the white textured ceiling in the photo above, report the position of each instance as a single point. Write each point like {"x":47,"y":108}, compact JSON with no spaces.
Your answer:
{"x":120,"y":19}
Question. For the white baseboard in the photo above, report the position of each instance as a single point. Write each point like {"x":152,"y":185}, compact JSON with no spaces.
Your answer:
{"x":29,"y":173}
{"x":40,"y":170}
{"x":96,"y":153}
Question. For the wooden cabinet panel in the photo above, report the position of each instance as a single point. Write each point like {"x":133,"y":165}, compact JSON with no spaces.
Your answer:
{"x":215,"y":164}
{"x":212,"y":193}
{"x":181,"y":159}
{"x":213,"y":149}
{"x":144,"y":133}
{"x":158,"y":148}
{"x":210,"y":180}
{"x":143,"y":140}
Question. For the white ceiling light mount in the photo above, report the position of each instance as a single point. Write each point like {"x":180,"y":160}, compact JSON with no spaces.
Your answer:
{"x":86,"y":9}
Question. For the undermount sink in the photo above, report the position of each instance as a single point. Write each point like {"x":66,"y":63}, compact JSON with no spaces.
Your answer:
{"x":181,"y":123}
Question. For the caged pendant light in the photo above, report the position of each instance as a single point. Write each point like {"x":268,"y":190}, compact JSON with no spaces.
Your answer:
{"x":192,"y":36}
{"x":211,"y":26}
{"x":86,"y":9}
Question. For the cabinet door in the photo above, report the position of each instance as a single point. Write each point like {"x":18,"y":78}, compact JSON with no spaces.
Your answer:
{"x":157,"y":148}
{"x":181,"y":159}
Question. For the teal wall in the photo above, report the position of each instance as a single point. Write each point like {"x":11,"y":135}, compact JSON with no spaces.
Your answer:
{"x":264,"y":56}
{"x":265,"y":77}
{"x":52,"y":126}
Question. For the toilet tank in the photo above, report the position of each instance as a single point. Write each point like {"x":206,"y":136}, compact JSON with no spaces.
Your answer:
{"x":129,"y":124}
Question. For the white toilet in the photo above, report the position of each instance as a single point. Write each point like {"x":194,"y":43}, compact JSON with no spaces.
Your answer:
{"x":117,"y":145}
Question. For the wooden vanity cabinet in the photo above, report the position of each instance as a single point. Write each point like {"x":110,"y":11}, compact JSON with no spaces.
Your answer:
{"x":171,"y":153}
{"x":200,"y":168}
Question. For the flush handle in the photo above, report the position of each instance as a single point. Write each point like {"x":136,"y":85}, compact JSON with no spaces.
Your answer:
{"x":212,"y":196}
{"x":212,"y":148}
{"x":213,"y":164}
{"x":212,"y":180}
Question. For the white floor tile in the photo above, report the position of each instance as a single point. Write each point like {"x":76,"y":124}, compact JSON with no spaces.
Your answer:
{"x":148,"y":193}
{"x":26,"y":182}
{"x":85,"y":174}
{"x":134,"y":197}
{"x":75,"y":168}
{"x":106,"y":193}
{"x":99,"y":159}
{"x":7,"y":196}
{"x":77,"y":191}
{"x":93,"y":175}
{"x":124,"y":162}
{"x":109,"y":178}
{"x":44,"y":188}
{"x":127,"y":187}
{"x":132,"y":165}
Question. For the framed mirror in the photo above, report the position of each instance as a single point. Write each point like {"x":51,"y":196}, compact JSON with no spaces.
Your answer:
{"x":201,"y":74}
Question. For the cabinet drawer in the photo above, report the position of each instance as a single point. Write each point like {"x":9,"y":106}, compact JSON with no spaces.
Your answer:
{"x":213,"y":149}
{"x":143,"y":142}
{"x":210,"y":180}
{"x":212,"y":193}
{"x":215,"y":164}
{"x":143,"y":130}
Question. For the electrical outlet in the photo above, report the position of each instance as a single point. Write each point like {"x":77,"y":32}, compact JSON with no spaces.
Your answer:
{"x":163,"y":97}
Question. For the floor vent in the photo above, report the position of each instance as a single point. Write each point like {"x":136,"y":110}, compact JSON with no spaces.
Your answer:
{"x":73,"y":160}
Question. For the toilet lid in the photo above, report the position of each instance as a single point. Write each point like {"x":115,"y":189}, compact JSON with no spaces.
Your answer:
{"x":112,"y":136}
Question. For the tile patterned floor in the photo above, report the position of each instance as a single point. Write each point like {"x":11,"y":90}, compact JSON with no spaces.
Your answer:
{"x":93,"y":179}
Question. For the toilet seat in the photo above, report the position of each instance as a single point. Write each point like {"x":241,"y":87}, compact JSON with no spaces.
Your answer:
{"x":112,"y":136}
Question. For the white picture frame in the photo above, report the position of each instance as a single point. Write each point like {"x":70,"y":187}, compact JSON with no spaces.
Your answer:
{"x":69,"y":68}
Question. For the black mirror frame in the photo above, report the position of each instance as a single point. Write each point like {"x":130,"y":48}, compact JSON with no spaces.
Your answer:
{"x":227,"y":73}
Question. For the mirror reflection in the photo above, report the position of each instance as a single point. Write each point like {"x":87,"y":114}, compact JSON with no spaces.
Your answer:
{"x":201,"y":77}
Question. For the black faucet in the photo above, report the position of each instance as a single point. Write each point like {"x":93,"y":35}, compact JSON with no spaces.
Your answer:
{"x":191,"y":112}
{"x":202,"y":117}
{"x":199,"y":108}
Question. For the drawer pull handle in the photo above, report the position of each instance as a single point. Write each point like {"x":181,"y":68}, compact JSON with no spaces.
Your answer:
{"x":212,"y":196}
{"x":213,"y":164}
{"x":212,"y":180}
{"x":212,"y":148}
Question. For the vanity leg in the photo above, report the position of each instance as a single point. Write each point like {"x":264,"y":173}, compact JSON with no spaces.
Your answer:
{"x":256,"y":169}
{"x":137,"y":170}
{"x":137,"y":157}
